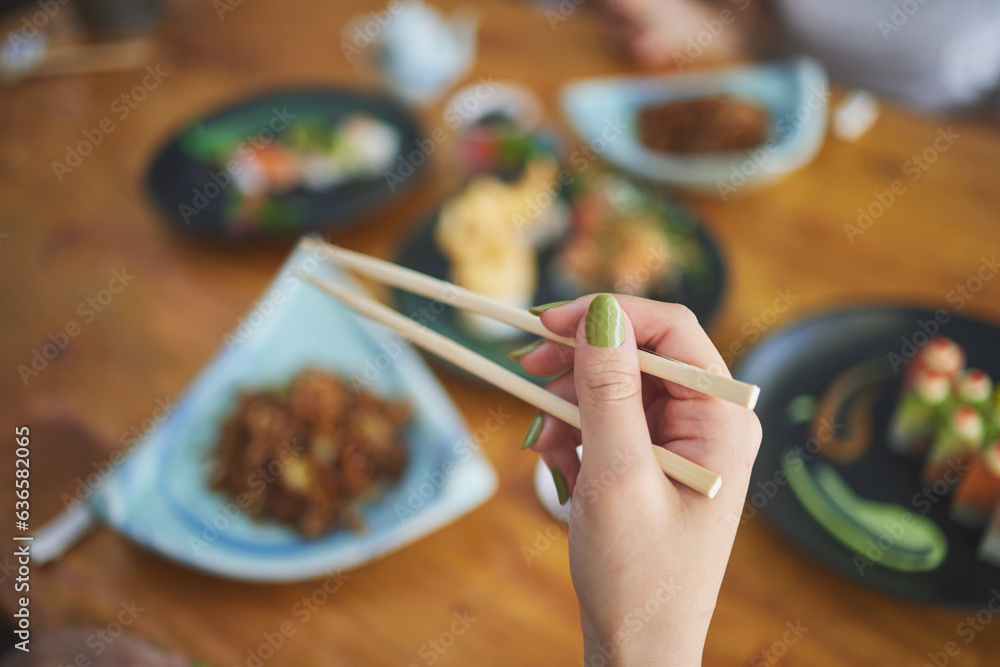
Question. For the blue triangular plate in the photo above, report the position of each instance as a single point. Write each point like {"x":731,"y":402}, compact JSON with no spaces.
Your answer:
{"x":160,"y":497}
{"x":603,"y":112}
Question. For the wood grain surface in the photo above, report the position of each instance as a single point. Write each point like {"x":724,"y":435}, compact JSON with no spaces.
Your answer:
{"x":60,"y":241}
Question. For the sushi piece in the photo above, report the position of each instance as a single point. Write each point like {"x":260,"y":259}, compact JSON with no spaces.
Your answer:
{"x":974,"y":388}
{"x":271,"y":167}
{"x":366,"y":145}
{"x":918,"y":414}
{"x":940,"y":354}
{"x":989,"y":547}
{"x":956,"y":446}
{"x":321,"y":172}
{"x":991,"y":413}
{"x":978,"y":492}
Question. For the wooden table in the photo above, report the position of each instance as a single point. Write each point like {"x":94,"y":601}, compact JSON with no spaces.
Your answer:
{"x":61,"y":241}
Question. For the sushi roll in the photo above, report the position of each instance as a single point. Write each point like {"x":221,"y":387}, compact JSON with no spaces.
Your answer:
{"x":940,"y":354}
{"x":918,"y":414}
{"x":978,"y":492}
{"x":957,"y":444}
{"x":989,"y":547}
{"x":991,"y":413}
{"x":975,"y":388}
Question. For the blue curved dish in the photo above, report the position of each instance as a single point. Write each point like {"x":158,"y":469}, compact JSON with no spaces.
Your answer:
{"x":160,"y":496}
{"x":604,"y":113}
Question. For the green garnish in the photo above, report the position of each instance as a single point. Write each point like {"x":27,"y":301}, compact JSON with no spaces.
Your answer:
{"x":800,"y":409}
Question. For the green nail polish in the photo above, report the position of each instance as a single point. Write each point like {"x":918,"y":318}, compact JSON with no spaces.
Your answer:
{"x":534,"y":430}
{"x":560,"y":481}
{"x":538,"y":310}
{"x":526,"y":349}
{"x":605,"y":325}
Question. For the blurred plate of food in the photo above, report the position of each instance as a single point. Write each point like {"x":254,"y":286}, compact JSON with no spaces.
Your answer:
{"x":530,"y":240}
{"x":314,"y":441}
{"x":881,"y":452}
{"x":282,"y":163}
{"x":717,"y":130}
{"x":498,"y":128}
{"x":488,"y":100}
{"x":501,"y":145}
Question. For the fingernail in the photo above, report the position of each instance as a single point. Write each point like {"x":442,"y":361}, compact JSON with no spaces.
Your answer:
{"x":526,"y":349}
{"x":560,"y":481}
{"x":534,"y":429}
{"x":538,"y":310}
{"x":605,"y":325}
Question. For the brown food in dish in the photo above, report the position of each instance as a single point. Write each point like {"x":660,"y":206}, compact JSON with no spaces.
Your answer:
{"x":305,"y":455}
{"x":714,"y":124}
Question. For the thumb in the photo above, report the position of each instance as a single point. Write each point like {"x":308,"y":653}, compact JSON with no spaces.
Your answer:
{"x":609,"y":390}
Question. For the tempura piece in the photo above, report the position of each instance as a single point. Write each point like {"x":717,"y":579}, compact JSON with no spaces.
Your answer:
{"x":489,"y":232}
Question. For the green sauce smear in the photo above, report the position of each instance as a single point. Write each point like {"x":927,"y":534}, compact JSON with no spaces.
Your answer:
{"x":886,"y":534}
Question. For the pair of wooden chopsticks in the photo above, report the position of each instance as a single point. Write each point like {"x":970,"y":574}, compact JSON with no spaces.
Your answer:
{"x":677,"y":467}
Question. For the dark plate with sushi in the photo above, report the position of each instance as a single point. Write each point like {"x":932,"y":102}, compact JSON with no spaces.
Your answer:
{"x":283,"y":163}
{"x":881,"y":453}
{"x":693,"y":275}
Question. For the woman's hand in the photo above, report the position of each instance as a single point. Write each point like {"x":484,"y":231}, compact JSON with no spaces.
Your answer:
{"x":647,"y":555}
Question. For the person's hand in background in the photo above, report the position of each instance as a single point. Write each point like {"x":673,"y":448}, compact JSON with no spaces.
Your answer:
{"x":639,"y":541}
{"x":674,"y":32}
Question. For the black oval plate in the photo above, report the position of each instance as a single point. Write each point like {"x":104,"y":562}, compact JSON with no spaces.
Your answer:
{"x":420,"y":252}
{"x":174,"y":175}
{"x":804,"y":358}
